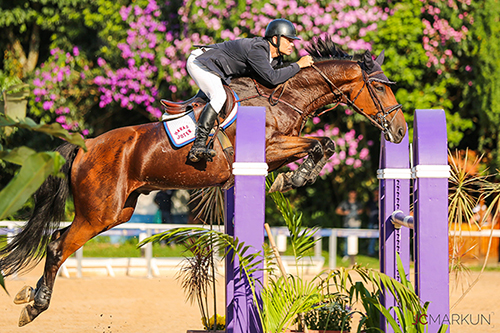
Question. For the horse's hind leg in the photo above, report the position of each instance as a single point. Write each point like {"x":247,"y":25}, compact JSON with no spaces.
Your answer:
{"x":42,"y":293}
{"x":63,"y":244}
{"x":27,"y":294}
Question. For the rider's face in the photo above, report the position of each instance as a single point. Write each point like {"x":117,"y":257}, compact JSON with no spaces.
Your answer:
{"x":286,"y":45}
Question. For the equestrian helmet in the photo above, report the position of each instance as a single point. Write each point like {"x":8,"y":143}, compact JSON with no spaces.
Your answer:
{"x":281,"y":27}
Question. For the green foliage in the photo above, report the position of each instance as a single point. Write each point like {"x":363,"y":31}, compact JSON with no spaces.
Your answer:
{"x":35,"y":169}
{"x":284,"y":298}
{"x":55,"y":130}
{"x":419,"y":86}
{"x":483,"y":95}
{"x":302,"y":240}
{"x":406,"y":311}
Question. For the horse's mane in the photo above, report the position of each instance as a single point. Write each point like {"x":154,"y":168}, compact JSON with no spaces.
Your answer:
{"x":326,"y":49}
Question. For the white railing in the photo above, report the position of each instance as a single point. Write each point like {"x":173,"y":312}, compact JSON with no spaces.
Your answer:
{"x":152,"y":264}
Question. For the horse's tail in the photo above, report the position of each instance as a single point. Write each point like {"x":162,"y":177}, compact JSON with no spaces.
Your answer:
{"x":28,"y":247}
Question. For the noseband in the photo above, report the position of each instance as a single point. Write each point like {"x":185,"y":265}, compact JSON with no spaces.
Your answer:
{"x":380,"y":118}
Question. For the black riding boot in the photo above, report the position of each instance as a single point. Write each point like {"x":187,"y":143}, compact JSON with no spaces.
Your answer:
{"x":205,"y":123}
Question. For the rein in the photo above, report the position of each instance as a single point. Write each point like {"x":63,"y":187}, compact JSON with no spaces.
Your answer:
{"x":382,"y":113}
{"x":273,"y":101}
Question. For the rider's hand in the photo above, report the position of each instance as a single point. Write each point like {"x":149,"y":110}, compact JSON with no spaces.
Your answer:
{"x":305,"y":61}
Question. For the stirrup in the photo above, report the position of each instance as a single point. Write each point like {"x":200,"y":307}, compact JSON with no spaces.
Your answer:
{"x":197,"y":154}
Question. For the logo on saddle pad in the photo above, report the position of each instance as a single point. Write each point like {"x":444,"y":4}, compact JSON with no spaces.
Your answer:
{"x":181,"y":131}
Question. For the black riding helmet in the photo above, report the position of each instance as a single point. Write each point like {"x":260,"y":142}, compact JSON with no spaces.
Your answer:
{"x":278,"y":28}
{"x":281,"y":27}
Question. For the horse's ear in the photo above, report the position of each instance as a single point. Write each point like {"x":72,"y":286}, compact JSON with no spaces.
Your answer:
{"x":368,"y":60}
{"x":380,"y":58}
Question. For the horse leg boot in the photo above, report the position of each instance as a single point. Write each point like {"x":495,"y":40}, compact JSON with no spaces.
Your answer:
{"x":293,"y":179}
{"x":302,"y":174}
{"x":199,"y":150}
{"x":329,"y":150}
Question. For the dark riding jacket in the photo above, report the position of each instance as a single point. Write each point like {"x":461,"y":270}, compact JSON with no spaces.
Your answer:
{"x":241,"y":57}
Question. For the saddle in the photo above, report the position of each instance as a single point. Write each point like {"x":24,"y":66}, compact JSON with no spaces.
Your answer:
{"x":176,"y":110}
{"x":198,"y":101}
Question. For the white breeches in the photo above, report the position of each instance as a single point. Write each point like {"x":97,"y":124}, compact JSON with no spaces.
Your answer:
{"x":209,"y":82}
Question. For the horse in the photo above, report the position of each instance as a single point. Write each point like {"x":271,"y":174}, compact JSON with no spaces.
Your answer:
{"x":106,"y":181}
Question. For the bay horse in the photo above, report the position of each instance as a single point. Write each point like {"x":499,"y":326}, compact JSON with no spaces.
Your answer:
{"x":121,"y":164}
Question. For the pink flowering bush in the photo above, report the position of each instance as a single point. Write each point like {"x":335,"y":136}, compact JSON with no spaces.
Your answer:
{"x":157,"y":47}
{"x":135,"y":84}
{"x":60,"y":87}
{"x":446,"y":24}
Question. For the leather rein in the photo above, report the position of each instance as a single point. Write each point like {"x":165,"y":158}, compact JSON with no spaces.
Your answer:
{"x":379,"y":119}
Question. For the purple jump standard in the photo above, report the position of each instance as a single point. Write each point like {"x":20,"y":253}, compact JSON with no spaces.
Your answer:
{"x":394,"y":194}
{"x":430,"y":191}
{"x":430,"y":175}
{"x":245,"y":205}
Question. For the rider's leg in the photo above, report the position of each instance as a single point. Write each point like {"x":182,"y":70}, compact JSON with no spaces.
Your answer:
{"x":199,"y":150}
{"x":211,"y":85}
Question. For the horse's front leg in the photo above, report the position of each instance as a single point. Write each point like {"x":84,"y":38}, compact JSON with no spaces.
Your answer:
{"x":283,"y":148}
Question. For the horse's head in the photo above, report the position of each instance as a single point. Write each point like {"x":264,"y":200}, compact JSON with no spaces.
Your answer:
{"x":363,"y":86}
{"x":373,"y":97}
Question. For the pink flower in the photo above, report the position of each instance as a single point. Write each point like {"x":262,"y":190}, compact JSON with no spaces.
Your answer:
{"x":364,"y":153}
{"x":47,"y":105}
{"x":101,"y":62}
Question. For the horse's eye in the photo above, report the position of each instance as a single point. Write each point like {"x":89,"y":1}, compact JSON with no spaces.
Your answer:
{"x":380,"y":88}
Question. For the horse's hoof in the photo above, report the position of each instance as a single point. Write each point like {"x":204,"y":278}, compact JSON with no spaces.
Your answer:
{"x":277,"y":184}
{"x":281,"y":183}
{"x":24,"y":318}
{"x":25,"y":295}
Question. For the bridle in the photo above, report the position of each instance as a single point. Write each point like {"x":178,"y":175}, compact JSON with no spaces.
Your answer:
{"x":380,"y":118}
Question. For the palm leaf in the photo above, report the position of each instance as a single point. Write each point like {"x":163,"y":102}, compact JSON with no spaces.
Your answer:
{"x":301,"y":239}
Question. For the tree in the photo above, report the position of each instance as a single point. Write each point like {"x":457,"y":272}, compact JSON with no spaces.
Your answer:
{"x":29,"y":23}
{"x":482,"y":80}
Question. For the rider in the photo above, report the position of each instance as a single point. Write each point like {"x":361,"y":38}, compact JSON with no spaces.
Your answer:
{"x":211,"y":66}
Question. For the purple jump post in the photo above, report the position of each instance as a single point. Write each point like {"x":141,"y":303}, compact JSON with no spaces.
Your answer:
{"x":248,"y":196}
{"x":394,"y":189}
{"x":431,"y":172}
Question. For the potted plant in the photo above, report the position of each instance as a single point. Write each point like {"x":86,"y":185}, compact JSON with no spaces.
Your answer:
{"x":332,"y":316}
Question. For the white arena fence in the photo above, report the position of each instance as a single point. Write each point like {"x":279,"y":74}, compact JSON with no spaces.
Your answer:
{"x":150,"y":266}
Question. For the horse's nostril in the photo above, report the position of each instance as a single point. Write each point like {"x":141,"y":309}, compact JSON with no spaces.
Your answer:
{"x":401,"y":132}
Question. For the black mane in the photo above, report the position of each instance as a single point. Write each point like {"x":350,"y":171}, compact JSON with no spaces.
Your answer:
{"x":326,"y":49}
